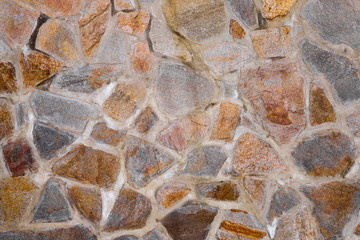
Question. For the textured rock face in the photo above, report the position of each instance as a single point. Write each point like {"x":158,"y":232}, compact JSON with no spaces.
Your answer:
{"x":6,"y":119}
{"x":127,"y":237}
{"x":223,"y":191}
{"x":282,"y":201}
{"x":102,"y":134}
{"x":245,"y":11}
{"x":141,"y":58}
{"x":57,"y":9}
{"x":156,"y":234}
{"x":353,"y":121}
{"x":133,"y":22}
{"x":236,"y":31}
{"x":7,"y":78}
{"x":276,"y":8}
{"x":170,"y":194}
{"x":145,"y":121}
{"x":321,"y":110}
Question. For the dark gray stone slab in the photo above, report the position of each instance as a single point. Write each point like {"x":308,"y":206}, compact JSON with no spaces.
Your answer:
{"x":282,"y":201}
{"x":127,"y":237}
{"x":245,"y":10}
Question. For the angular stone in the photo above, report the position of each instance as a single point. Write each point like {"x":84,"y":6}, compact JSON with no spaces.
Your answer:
{"x":179,"y":90}
{"x":282,"y":202}
{"x":89,"y":166}
{"x":7,"y":78}
{"x":131,"y":211}
{"x":271,"y":42}
{"x":222,"y":191}
{"x":145,"y":121}
{"x":236,"y":31}
{"x":191,"y":221}
{"x":49,"y":141}
{"x":19,"y":158}
{"x":169,"y":194}
{"x":338,"y":70}
{"x":334,"y":204}
{"x":37,"y":67}
{"x":57,"y":9}
{"x":353,"y":121}
{"x":22,"y":112}
{"x":205,"y":161}
{"x":245,"y":11}
{"x":73,"y":114}
{"x":123,"y":102}
{"x":321,"y":110}
{"x":327,"y":153}
{"x":17,"y":22}
{"x":197,"y":20}
{"x":141,"y":58}
{"x":126,"y":237}
{"x":229,"y":116}
{"x":156,"y":234}
{"x":145,"y":162}
{"x":254,"y":156}
{"x":134,"y":22}
{"x":124,"y":5}
{"x":226,"y":57}
{"x":87,"y":201}
{"x":6,"y":119}
{"x":16,"y":195}
{"x":327,"y":18}
{"x":53,"y":206}
{"x":184,"y":131}
{"x":276,"y":8}
{"x":102,"y":134}
{"x":277,"y":95}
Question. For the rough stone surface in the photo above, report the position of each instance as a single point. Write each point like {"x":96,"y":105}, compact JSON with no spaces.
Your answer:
{"x":141,"y":58}
{"x":126,"y":237}
{"x":7,"y":78}
{"x":276,"y":8}
{"x":124,"y":4}
{"x":236,"y":31}
{"x":6,"y":119}
{"x":130,"y":211}
{"x":191,"y":221}
{"x":134,"y":22}
{"x":222,"y":191}
{"x":56,"y":8}
{"x":6,"y":54}
{"x":145,"y":121}
{"x":22,"y":116}
{"x":102,"y":134}
{"x":282,"y":202}
{"x":171,"y":193}
{"x":156,"y":234}
{"x":327,"y":153}
{"x":321,"y":110}
{"x":90,"y":166}
{"x":353,"y":121}
{"x":357,"y":230}
{"x":246,"y":11}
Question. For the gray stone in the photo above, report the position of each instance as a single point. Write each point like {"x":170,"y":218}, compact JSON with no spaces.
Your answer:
{"x":21,"y":114}
{"x":53,"y":206}
{"x":49,"y":107}
{"x":282,"y":201}
{"x":205,"y":161}
{"x":245,"y":10}
{"x":179,"y":89}
{"x":336,"y":21}
{"x":49,"y":141}
{"x":222,"y":191}
{"x":5,"y":52}
{"x":338,"y":70}
{"x":127,"y":237}
{"x":156,"y":234}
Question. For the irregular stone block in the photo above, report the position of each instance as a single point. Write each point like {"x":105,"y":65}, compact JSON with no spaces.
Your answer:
{"x":246,"y":11}
{"x":327,"y":153}
{"x":156,"y":234}
{"x":197,"y":20}
{"x":141,"y":58}
{"x":236,"y":31}
{"x":169,"y":194}
{"x":179,"y":90}
{"x":124,"y":4}
{"x":7,"y":78}
{"x":49,"y":141}
{"x":89,"y":166}
{"x":55,"y":9}
{"x":102,"y":134}
{"x":357,"y":230}
{"x":145,"y":162}
{"x":222,"y":191}
{"x":205,"y":161}
{"x":127,"y":237}
{"x":145,"y":121}
{"x":130,"y":211}
{"x":61,"y":111}
{"x":6,"y":119}
{"x":134,"y":22}
{"x":22,"y":117}
{"x":276,"y":8}
{"x":321,"y":110}
{"x":353,"y":121}
{"x":19,"y":158}
{"x":6,"y":54}
{"x":191,"y":221}
{"x":283,"y":200}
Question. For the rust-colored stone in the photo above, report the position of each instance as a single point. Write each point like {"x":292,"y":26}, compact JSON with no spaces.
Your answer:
{"x":6,"y":119}
{"x":134,"y":22}
{"x":123,"y":5}
{"x":223,"y":191}
{"x":7,"y":78}
{"x":357,"y":230}
{"x":276,"y":8}
{"x":141,"y":58}
{"x":102,"y":134}
{"x":236,"y":31}
{"x":57,"y":8}
{"x":321,"y":110}
{"x":283,"y":200}
{"x":145,"y":121}
{"x":171,"y":193}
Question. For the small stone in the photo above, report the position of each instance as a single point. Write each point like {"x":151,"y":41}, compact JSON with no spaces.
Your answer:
{"x":156,"y":234}
{"x":127,"y":237}
{"x":134,"y":22}
{"x":145,"y":121}
{"x":17,"y":22}
{"x":254,"y":156}
{"x":7,"y":78}
{"x":169,"y":194}
{"x":205,"y":161}
{"x":145,"y":162}
{"x":56,"y":9}
{"x":49,"y":141}
{"x":89,"y":166}
{"x":222,"y":191}
{"x":102,"y":134}
{"x":197,"y":20}
{"x":226,"y":57}
{"x":324,"y":154}
{"x":61,"y":111}
{"x":179,"y":90}
{"x":271,"y":42}
{"x":141,"y":58}
{"x":357,"y":230}
{"x":282,"y":202}
{"x":229,"y":116}
{"x":184,"y":131}
{"x":338,"y":70}
{"x":124,"y":5}
{"x":123,"y":102}
{"x":276,"y":8}
{"x":53,"y":206}
{"x":353,"y":121}
{"x":191,"y":221}
{"x":22,"y":112}
{"x":16,"y":196}
{"x":6,"y":54}
{"x":334,"y":204}
{"x":321,"y":110}
{"x":6,"y":119}
{"x":327,"y":18}
{"x":87,"y":201}
{"x":236,"y":31}
{"x":131,"y":211}
{"x":37,"y":67}
{"x":19,"y":158}
{"x":245,"y":10}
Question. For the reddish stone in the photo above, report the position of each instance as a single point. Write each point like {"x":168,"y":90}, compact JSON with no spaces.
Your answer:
{"x":236,"y":31}
{"x":223,"y":191}
{"x":6,"y":119}
{"x":276,"y":8}
{"x":321,"y":110}
{"x":7,"y":78}
{"x":141,"y":58}
{"x":169,"y":194}
{"x":133,"y":22}
{"x":145,"y":121}
{"x":55,"y":9}
{"x":102,"y":134}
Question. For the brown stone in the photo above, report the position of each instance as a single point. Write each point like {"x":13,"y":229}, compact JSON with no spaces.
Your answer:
{"x":88,"y":165}
{"x":102,"y":134}
{"x":141,"y":58}
{"x":222,"y":191}
{"x":37,"y":67}
{"x":277,"y":95}
{"x":145,"y":121}
{"x":276,"y":8}
{"x":123,"y":102}
{"x":357,"y":230}
{"x":55,"y":9}
{"x":169,"y":194}
{"x":87,"y":201}
{"x":7,"y":78}
{"x":123,"y":5}
{"x":134,"y":22}
{"x":254,"y":156}
{"x":184,"y":131}
{"x":236,"y":31}
{"x":6,"y":119}
{"x":229,"y":116}
{"x":16,"y":195}
{"x":321,"y":110}
{"x":130,"y":211}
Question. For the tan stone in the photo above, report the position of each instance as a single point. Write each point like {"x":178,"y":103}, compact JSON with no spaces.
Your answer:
{"x":321,"y":110}
{"x":276,"y":8}
{"x":171,"y":193}
{"x":6,"y":119}
{"x":236,"y":31}
{"x":101,"y":133}
{"x":124,"y":5}
{"x":133,"y":22}
{"x":7,"y":78}
{"x":57,"y":8}
{"x":141,"y":58}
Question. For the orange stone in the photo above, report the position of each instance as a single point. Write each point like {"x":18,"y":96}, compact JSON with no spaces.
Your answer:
{"x":141,"y":58}
{"x":357,"y":230}
{"x":124,"y":5}
{"x":276,"y":8}
{"x":6,"y":119}
{"x":236,"y":31}
{"x":101,"y":133}
{"x":7,"y":78}
{"x":222,"y":191}
{"x":170,"y":194}
{"x":133,"y":22}
{"x":55,"y":8}
{"x":321,"y":110}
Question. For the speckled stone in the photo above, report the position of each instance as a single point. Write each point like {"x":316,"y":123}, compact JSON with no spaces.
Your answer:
{"x":156,"y":234}
{"x":7,"y":78}
{"x":124,"y":5}
{"x":22,"y":114}
{"x":169,"y":194}
{"x":126,"y":237}
{"x":222,"y":191}
{"x":246,"y":11}
{"x":103,"y":134}
{"x":134,"y":22}
{"x":353,"y":121}
{"x":321,"y":110}
{"x":141,"y":58}
{"x":236,"y":31}
{"x":276,"y":8}
{"x":283,"y":200}
{"x":145,"y":121}
{"x":57,"y":9}
{"x":6,"y":119}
